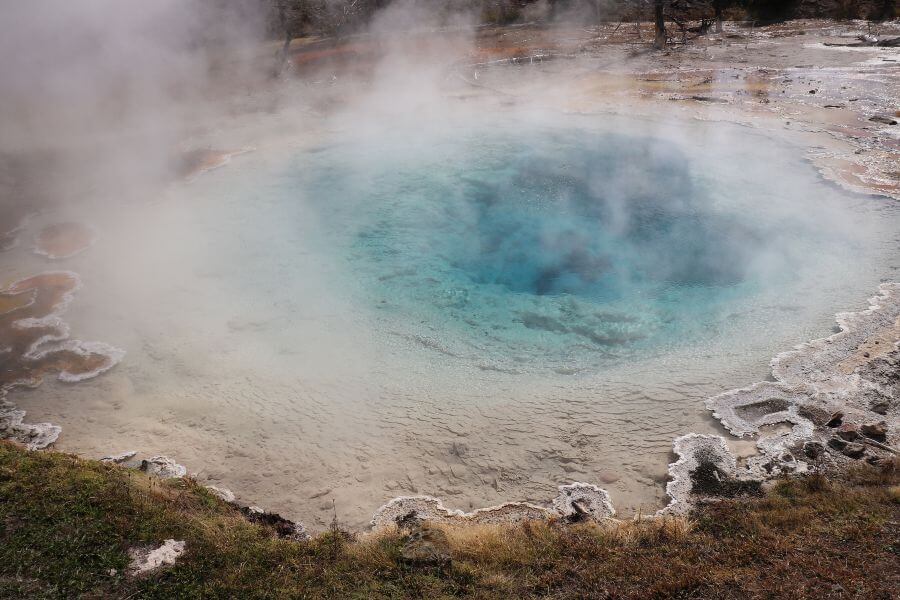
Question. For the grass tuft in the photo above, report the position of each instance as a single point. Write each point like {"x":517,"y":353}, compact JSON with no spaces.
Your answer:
{"x":66,"y":525}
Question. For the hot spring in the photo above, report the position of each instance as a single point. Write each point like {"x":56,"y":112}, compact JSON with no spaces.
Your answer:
{"x":476,"y":310}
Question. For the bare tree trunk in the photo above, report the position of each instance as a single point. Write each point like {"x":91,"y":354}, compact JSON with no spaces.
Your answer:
{"x":717,"y":5}
{"x":660,"y":18}
{"x":281,"y":59}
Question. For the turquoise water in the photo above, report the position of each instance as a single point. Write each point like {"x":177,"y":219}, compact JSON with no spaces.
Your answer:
{"x":567,"y":248}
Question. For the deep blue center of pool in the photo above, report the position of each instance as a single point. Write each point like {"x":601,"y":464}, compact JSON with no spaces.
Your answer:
{"x":593,"y":222}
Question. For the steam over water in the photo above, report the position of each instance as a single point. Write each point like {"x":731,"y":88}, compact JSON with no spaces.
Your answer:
{"x":567,"y":247}
{"x":478,"y":310}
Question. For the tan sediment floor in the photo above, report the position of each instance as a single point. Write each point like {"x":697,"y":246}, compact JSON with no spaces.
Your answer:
{"x":365,"y":432}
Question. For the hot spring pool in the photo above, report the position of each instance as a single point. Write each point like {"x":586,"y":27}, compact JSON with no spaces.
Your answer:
{"x":475,"y":310}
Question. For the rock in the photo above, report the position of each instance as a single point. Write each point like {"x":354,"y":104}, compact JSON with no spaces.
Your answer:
{"x":885,"y":373}
{"x":836,"y":420}
{"x":751,"y":411}
{"x":854,"y":450}
{"x":119,"y":458}
{"x":510,"y":512}
{"x":35,"y":436}
{"x":848,"y":431}
{"x":837,"y":443}
{"x":145,"y":560}
{"x":163,"y":467}
{"x":880,"y":406}
{"x":284,"y":528}
{"x":813,"y":449}
{"x":410,"y":511}
{"x":709,"y":481}
{"x":583,"y":501}
{"x":696,"y":452}
{"x":875,"y":431}
{"x":819,"y":416}
{"x":223,"y":494}
{"x":427,"y":546}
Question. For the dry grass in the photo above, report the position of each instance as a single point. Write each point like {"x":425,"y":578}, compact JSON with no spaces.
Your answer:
{"x":65,"y":523}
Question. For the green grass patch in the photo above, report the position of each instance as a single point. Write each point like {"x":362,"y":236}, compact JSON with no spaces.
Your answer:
{"x":66,"y":525}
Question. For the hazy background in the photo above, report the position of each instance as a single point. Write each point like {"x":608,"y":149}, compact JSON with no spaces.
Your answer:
{"x":112,"y":90}
{"x":104,"y":91}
